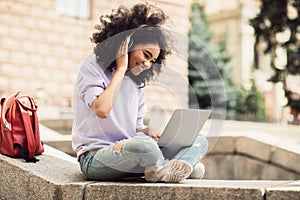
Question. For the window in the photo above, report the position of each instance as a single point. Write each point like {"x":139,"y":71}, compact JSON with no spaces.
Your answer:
{"x":74,"y":8}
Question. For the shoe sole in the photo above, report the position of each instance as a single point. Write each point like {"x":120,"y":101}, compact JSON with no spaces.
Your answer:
{"x":178,"y":171}
{"x":175,"y":171}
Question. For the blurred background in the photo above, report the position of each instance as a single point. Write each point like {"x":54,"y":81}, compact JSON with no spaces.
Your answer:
{"x":255,"y":45}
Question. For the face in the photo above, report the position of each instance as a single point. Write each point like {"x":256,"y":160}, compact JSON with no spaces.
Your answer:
{"x":141,"y":57}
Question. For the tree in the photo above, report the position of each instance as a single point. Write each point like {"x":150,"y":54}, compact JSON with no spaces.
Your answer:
{"x":278,"y":25}
{"x":240,"y":104}
{"x":251,"y":105}
{"x":204,"y":80}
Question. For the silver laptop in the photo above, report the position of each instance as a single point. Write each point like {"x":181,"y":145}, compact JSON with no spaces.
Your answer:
{"x":181,"y":130}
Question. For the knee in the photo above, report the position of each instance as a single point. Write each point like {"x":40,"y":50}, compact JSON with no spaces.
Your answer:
{"x":141,"y":144}
{"x":201,"y":142}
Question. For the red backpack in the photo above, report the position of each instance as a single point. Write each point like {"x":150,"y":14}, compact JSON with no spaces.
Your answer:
{"x":20,"y":136}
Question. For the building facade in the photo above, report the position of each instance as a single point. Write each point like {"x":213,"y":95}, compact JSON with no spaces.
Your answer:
{"x":43,"y":42}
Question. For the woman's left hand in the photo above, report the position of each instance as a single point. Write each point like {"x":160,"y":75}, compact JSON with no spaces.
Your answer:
{"x":150,"y":132}
{"x":153,"y":134}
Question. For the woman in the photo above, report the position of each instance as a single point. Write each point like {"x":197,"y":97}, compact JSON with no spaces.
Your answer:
{"x":108,"y":134}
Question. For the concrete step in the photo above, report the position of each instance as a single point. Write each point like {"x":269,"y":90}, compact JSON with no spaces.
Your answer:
{"x":254,"y":155}
{"x":57,"y":176}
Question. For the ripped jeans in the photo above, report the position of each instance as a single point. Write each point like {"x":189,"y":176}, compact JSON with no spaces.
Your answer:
{"x":129,"y":157}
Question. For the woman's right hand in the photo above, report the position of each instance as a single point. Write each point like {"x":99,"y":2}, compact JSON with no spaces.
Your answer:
{"x":105,"y":101}
{"x":122,"y":56}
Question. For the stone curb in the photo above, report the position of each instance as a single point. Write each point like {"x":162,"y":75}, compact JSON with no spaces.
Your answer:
{"x":57,"y":176}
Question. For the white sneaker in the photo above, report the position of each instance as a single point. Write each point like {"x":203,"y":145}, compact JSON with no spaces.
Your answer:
{"x":198,"y":171}
{"x":174,"y":171}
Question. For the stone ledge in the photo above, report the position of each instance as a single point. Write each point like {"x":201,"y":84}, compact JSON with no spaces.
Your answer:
{"x":285,"y":191}
{"x":57,"y":176}
{"x":268,"y":148}
{"x":190,"y":189}
{"x":241,"y":167}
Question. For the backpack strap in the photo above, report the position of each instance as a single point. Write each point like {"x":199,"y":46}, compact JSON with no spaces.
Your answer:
{"x":24,"y":154}
{"x":1,"y":119}
{"x":30,"y":133}
{"x":35,"y":123}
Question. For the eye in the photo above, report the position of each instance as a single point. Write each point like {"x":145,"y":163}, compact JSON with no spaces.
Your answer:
{"x":147,"y":55}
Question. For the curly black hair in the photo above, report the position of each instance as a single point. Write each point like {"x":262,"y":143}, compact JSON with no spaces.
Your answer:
{"x":142,"y":22}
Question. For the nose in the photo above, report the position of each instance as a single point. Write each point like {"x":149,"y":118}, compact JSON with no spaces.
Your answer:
{"x":147,"y":64}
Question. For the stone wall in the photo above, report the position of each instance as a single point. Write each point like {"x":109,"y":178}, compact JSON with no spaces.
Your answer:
{"x":40,"y":50}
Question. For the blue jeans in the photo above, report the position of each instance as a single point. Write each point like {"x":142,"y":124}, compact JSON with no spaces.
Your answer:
{"x":133,"y":155}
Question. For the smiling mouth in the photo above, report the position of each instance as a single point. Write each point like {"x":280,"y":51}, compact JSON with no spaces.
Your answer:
{"x":141,"y":67}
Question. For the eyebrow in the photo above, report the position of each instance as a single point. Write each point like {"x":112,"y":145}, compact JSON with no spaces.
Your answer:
{"x":151,"y":55}
{"x":149,"y":52}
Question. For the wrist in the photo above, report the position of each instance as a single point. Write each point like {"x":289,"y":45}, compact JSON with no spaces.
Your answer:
{"x":121,"y":69}
{"x":119,"y":73}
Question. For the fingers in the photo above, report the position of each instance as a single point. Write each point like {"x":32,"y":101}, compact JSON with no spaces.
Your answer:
{"x":123,"y":49}
{"x":155,"y":135}
{"x":122,"y":56}
{"x":158,"y":135}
